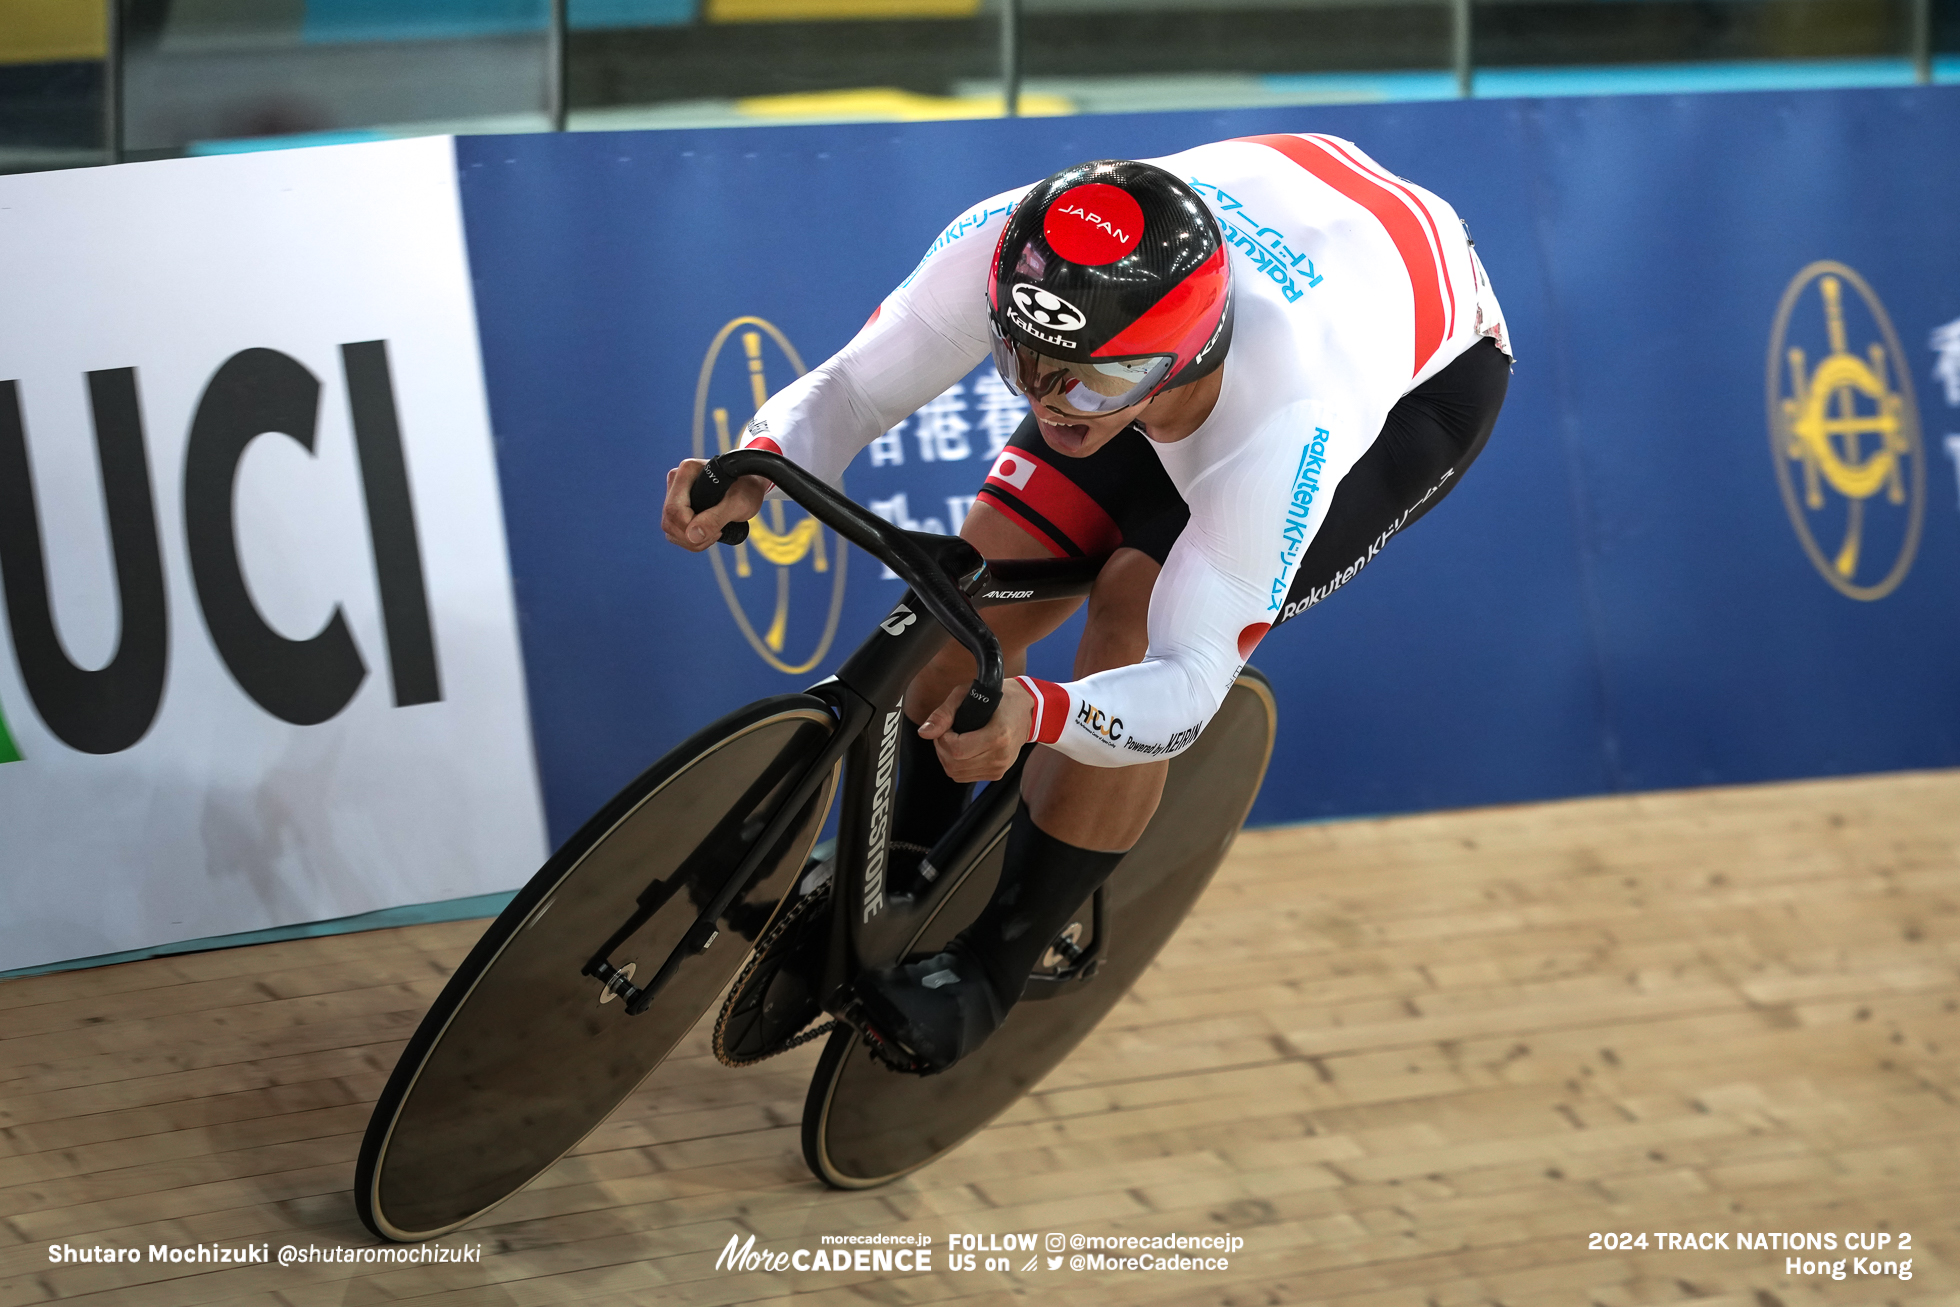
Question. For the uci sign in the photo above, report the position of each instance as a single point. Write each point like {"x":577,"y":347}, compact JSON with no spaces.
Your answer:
{"x":107,"y":709}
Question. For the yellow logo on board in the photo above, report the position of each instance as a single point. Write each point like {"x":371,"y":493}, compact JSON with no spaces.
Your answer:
{"x":763,"y":578}
{"x":1844,"y":431}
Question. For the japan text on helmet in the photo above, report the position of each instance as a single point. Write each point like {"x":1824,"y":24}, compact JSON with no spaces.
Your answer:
{"x":1110,"y":282}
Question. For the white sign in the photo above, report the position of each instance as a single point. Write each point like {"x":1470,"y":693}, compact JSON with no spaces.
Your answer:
{"x":259,"y":660}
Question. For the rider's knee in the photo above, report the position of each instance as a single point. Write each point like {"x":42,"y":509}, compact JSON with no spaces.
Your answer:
{"x":1116,"y":630}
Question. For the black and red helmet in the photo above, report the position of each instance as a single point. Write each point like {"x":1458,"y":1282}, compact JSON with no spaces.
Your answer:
{"x":1117,"y":270}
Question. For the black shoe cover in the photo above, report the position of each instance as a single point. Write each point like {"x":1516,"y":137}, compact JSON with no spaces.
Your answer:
{"x":934,"y":1011}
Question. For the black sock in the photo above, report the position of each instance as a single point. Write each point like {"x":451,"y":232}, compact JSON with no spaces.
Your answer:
{"x":1042,"y":883}
{"x":928,"y":800}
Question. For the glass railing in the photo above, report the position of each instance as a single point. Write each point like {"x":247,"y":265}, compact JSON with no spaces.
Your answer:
{"x":727,"y":62}
{"x":216,"y":77}
{"x":130,"y":79}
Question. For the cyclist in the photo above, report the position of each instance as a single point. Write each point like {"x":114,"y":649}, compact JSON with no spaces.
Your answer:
{"x":1247,"y":366}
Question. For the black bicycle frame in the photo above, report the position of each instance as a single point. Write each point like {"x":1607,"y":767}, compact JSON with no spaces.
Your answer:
{"x":948,"y":581}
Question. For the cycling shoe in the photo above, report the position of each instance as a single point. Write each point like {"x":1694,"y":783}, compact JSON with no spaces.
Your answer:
{"x":934,"y":1011}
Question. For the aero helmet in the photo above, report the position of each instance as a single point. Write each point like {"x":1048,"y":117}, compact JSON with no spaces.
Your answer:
{"x":1109,"y":284}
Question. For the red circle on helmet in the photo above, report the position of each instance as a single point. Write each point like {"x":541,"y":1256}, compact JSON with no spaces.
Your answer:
{"x":1093,"y":224}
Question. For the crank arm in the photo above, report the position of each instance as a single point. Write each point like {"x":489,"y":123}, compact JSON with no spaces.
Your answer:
{"x":1082,"y":963}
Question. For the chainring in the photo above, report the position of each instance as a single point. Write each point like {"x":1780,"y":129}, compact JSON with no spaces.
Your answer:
{"x":772,"y":1000}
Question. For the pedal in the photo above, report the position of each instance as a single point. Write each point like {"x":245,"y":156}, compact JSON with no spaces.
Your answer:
{"x":1067,"y":961}
{"x":883,"y":1051}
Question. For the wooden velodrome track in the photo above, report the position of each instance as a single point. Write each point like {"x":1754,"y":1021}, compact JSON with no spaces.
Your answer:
{"x":1411,"y":1061}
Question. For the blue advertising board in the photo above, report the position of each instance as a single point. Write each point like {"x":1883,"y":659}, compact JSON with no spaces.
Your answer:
{"x":1713,"y":538}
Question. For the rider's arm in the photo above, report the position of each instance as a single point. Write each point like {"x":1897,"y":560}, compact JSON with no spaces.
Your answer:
{"x":1223,"y":585}
{"x":927,"y":334}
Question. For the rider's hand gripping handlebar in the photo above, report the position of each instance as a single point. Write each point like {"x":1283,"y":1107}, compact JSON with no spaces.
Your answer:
{"x":895,"y":548}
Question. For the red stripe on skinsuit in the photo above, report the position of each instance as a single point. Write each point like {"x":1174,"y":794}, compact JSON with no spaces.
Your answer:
{"x":1401,"y":225}
{"x":1006,"y":510}
{"x":1428,"y":220}
{"x":1053,"y":712}
{"x":1049,"y":493}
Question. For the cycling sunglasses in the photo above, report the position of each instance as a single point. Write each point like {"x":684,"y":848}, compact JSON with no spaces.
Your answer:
{"x":1102,"y":386}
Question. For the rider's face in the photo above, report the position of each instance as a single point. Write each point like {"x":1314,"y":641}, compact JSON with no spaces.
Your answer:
{"x":1078,"y":435}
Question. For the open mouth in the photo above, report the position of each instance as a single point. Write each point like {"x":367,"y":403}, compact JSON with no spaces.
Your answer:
{"x":1064,"y":437}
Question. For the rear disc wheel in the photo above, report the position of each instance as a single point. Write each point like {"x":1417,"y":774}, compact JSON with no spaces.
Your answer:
{"x":866,"y":1125}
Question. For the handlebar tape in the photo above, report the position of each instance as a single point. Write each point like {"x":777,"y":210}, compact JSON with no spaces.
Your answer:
{"x":976,"y":710}
{"x":705,"y":493}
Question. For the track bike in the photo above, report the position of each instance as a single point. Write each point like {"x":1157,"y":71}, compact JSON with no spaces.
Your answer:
{"x":704,"y":871}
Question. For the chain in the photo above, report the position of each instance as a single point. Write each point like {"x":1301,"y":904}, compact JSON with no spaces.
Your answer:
{"x":816,"y":900}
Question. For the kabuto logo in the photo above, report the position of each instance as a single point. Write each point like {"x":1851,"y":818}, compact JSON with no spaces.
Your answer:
{"x":1046,"y":310}
{"x":776,"y":584}
{"x":107,"y":709}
